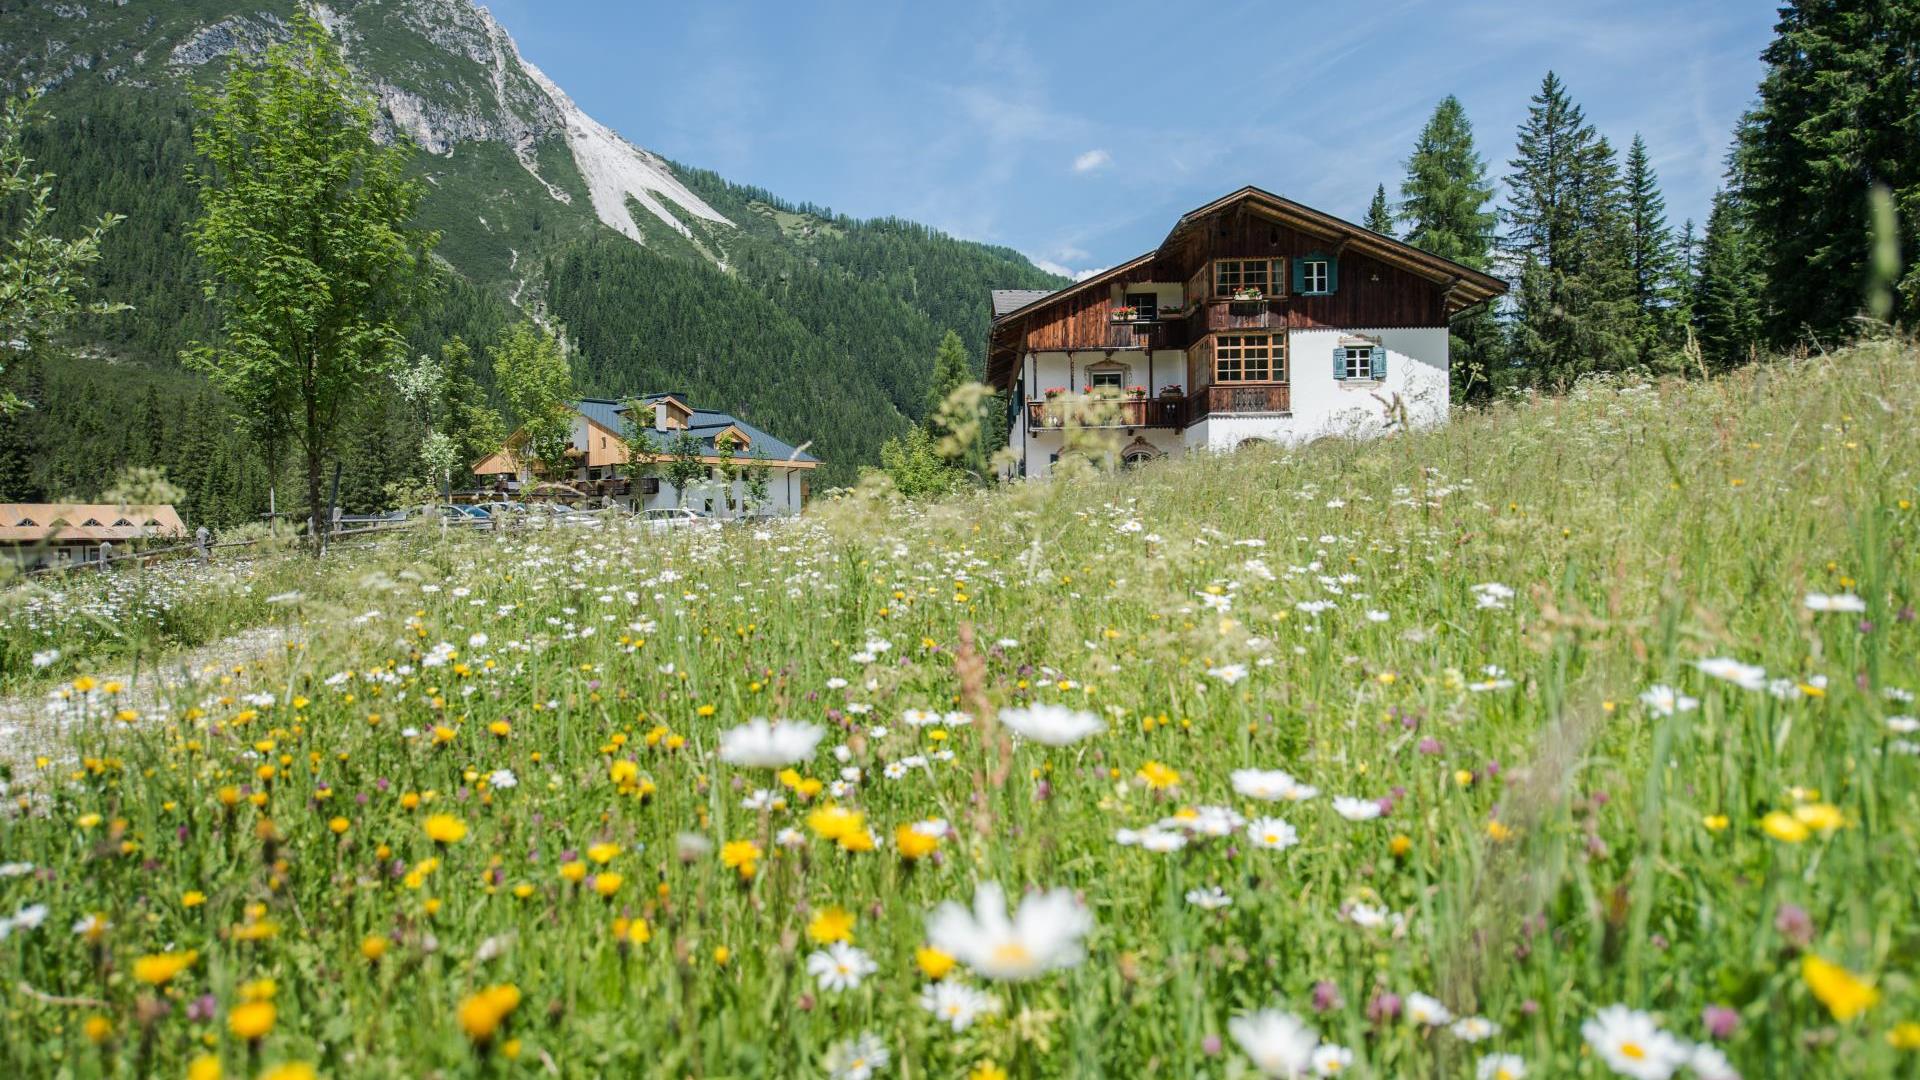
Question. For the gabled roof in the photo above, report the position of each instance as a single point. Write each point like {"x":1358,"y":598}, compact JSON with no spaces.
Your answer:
{"x":703,"y":424}
{"x":27,"y":523}
{"x":1466,"y":287}
{"x":1010,"y":300}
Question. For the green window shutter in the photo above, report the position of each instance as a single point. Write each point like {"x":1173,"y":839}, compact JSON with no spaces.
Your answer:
{"x":1299,"y":275}
{"x":1339,"y":361}
{"x":1333,"y":273}
{"x":1378,"y":362}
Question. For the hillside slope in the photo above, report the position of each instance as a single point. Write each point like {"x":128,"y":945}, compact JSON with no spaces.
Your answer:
{"x":1586,"y":720}
{"x":812,"y":324}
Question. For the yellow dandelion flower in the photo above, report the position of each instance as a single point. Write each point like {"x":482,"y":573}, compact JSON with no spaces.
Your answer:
{"x":1845,"y":994}
{"x":1784,"y":827}
{"x":830,"y":924}
{"x":482,"y":1013}
{"x":251,"y":1020}
{"x":159,"y":969}
{"x":445,"y":829}
{"x":932,"y":962}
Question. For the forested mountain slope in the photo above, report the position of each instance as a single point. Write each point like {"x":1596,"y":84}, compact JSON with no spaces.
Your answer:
{"x":817,"y":326}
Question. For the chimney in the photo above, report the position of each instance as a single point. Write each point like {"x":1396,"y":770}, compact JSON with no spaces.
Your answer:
{"x":660,"y":415}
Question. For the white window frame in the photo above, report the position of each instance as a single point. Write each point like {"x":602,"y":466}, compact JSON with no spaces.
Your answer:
{"x":1117,"y":375}
{"x":1313,"y":275}
{"x":1359,"y":361}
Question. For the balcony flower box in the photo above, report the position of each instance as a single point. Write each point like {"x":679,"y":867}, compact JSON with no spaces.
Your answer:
{"x":1251,"y":295}
{"x":1125,"y":314}
{"x":1052,"y":392}
{"x":1136,"y":393}
{"x":1171,"y":392}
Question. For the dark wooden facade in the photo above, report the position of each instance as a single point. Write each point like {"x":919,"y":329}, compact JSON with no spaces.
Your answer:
{"x":1380,"y":283}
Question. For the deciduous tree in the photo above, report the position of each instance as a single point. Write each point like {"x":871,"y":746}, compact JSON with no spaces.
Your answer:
{"x":304,"y":233}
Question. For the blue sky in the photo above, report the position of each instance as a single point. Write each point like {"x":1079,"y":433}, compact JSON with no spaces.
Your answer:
{"x":1077,"y":133}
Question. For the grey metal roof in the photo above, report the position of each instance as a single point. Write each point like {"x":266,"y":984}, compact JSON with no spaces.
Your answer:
{"x":1005,"y":300}
{"x":704,"y":424}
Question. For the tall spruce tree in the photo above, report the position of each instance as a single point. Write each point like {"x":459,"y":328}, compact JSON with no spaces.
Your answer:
{"x":952,"y":369}
{"x":1727,"y":296}
{"x":1568,"y":232}
{"x":1379,"y":214}
{"x":1445,"y":203}
{"x":1836,"y":115}
{"x":1653,"y":263}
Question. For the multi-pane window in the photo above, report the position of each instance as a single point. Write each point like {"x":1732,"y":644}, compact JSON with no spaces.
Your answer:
{"x":1108,"y":379}
{"x":1145,"y":305}
{"x":1250,"y":358}
{"x":1232,"y":276}
{"x":1313,"y":276}
{"x":1359,"y":361}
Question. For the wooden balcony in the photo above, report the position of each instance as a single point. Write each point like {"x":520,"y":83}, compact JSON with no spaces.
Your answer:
{"x":1240,"y":398}
{"x":1123,"y":413}
{"x":1219,"y":313}
{"x":1133,"y":334}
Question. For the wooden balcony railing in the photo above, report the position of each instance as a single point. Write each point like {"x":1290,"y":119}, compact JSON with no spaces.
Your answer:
{"x":1239,"y":398}
{"x":1124,"y":413}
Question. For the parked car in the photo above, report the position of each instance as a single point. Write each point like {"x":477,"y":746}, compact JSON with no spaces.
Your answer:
{"x":663,"y":519}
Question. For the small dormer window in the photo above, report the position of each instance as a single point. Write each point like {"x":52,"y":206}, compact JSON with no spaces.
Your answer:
{"x":29,"y":523}
{"x":90,"y":523}
{"x":122,"y":523}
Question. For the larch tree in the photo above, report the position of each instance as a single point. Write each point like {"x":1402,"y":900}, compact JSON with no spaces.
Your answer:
{"x":304,"y":231}
{"x":1446,"y":208}
{"x":1838,"y":114}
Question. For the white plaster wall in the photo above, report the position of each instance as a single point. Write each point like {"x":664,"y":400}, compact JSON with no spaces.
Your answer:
{"x":1323,"y":405}
{"x":1069,"y":370}
{"x":783,"y":495}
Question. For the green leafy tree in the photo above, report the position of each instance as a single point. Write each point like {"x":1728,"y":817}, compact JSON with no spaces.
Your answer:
{"x":643,"y":450}
{"x":684,"y":466}
{"x":1728,"y":311}
{"x":464,"y":414}
{"x":759,"y":475}
{"x":1567,"y":230}
{"x":41,"y":276}
{"x":1836,"y":115}
{"x":1653,"y":262}
{"x":304,"y":233}
{"x":728,"y":471}
{"x":1446,"y":206}
{"x":534,"y":378}
{"x":1379,"y":214}
{"x":917,"y":467}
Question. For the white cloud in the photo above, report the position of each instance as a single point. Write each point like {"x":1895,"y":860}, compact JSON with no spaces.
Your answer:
{"x":1091,"y":160}
{"x":1062,"y":269}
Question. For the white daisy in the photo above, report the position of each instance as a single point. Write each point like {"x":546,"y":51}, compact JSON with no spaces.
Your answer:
{"x":840,"y":966}
{"x":1279,"y":1043}
{"x":1633,"y":1045}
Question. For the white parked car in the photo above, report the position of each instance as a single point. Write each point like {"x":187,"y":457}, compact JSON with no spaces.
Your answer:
{"x":675,"y":517}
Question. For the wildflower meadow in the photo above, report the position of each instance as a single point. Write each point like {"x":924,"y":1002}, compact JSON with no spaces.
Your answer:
{"x":1574,"y":739}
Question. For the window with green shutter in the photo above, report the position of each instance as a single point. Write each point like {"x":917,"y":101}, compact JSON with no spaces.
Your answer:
{"x":1315,"y":274}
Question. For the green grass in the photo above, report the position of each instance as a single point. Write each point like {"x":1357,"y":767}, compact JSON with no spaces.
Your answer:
{"x":1553,"y":847}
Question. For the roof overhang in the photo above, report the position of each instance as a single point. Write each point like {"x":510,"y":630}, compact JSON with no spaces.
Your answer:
{"x":1465,"y":287}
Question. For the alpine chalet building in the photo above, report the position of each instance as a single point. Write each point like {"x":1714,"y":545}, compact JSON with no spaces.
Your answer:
{"x":1256,"y":319}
